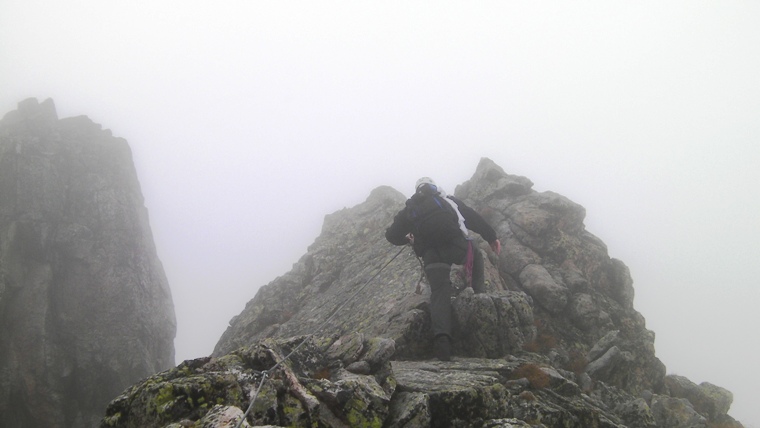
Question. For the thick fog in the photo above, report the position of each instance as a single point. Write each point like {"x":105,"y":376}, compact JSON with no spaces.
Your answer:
{"x":249,"y":121}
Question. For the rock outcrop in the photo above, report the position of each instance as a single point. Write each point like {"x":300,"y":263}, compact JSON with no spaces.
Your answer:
{"x":342,"y":340}
{"x":85,"y":307}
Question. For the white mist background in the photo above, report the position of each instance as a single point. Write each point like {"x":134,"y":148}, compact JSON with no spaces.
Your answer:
{"x":249,"y":121}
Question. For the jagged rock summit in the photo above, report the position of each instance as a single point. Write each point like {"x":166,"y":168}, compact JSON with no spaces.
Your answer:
{"x":85,"y":308}
{"x":555,"y":341}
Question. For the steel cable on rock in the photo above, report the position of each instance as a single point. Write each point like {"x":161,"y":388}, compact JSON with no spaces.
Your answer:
{"x":265,"y":373}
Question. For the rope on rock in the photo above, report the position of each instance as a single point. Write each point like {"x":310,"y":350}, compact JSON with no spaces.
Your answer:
{"x":265,"y":373}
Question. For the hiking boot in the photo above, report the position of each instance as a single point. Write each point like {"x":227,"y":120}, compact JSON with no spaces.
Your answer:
{"x":442,"y":347}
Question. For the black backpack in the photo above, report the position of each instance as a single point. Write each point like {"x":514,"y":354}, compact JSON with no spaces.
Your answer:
{"x":434,"y":220}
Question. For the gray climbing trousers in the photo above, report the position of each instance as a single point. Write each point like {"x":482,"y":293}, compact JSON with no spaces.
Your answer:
{"x":438,"y":261}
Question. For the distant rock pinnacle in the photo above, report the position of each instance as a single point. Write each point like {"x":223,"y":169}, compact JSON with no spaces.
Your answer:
{"x":85,"y":307}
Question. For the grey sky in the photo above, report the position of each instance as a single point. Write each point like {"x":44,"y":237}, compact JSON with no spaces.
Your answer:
{"x":249,"y":121}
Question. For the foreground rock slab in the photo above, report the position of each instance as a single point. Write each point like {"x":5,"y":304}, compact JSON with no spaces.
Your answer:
{"x":315,"y":386}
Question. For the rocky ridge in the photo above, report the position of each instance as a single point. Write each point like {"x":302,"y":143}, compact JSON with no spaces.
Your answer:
{"x":85,"y":307}
{"x":555,"y":342}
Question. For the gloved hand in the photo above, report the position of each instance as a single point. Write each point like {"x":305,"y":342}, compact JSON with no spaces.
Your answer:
{"x":496,"y":247}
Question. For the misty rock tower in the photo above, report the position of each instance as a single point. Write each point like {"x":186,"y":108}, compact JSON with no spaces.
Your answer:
{"x":85,"y":307}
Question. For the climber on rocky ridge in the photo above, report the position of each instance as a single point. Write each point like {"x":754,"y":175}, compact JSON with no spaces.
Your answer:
{"x":436,"y":225}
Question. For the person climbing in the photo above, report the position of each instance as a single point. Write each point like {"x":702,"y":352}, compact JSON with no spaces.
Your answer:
{"x":437,"y":226}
